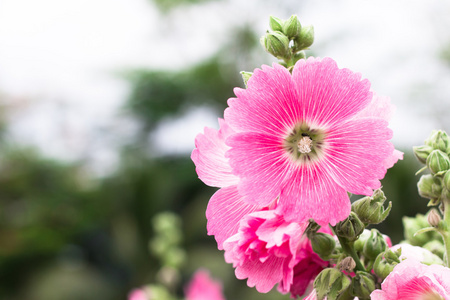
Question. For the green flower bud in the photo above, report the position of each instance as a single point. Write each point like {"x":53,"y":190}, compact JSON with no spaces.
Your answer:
{"x":446,"y":180}
{"x":275,"y":23}
{"x":439,"y":140}
{"x":323,"y":244}
{"x":350,"y":228}
{"x":359,"y":243}
{"x":430,"y":187}
{"x":374,"y":245}
{"x":276,"y":43}
{"x":430,"y":139}
{"x":305,"y":39}
{"x":292,"y":27}
{"x":385,"y":263}
{"x":246,"y":76}
{"x":370,"y":210}
{"x":331,"y":283}
{"x":363,"y":284}
{"x":422,"y":152}
{"x":438,"y":162}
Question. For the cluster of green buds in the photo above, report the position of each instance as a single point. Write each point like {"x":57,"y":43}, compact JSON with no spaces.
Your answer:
{"x":435,"y":154}
{"x":166,"y":247}
{"x":353,"y":250}
{"x":287,"y":39}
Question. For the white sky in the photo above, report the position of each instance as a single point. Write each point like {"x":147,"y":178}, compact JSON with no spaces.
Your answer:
{"x":59,"y":62}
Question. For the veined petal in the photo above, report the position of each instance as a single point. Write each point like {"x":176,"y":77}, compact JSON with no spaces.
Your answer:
{"x":224,"y":212}
{"x":327,"y":94}
{"x":209,"y":157}
{"x":269,"y":104}
{"x":312,"y":193}
{"x":261,"y":163}
{"x":356,"y":154}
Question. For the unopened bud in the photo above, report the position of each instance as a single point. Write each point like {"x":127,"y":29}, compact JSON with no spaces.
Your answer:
{"x":374,"y":245}
{"x":350,"y":228}
{"x":433,"y":218}
{"x":363,"y":284}
{"x":323,"y":244}
{"x":292,"y":27}
{"x":331,"y":283}
{"x":438,"y":162}
{"x":439,"y":140}
{"x":446,"y":180}
{"x":275,"y":23}
{"x":385,"y":263}
{"x":276,"y":43}
{"x":370,"y":210}
{"x":347,"y":265}
{"x":422,"y":152}
{"x":305,"y":39}
{"x":246,"y":76}
{"x":429,"y":186}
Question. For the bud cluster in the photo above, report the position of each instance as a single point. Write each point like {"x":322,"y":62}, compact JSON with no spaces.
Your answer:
{"x":435,"y":154}
{"x":287,"y":39}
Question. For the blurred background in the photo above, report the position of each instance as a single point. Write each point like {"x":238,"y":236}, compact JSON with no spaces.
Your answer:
{"x":100,"y":104}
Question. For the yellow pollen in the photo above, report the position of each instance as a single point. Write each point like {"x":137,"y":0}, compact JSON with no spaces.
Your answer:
{"x":304,"y":145}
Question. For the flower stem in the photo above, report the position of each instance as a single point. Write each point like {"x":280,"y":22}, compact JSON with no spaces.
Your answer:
{"x":446,"y":232}
{"x":350,"y":250}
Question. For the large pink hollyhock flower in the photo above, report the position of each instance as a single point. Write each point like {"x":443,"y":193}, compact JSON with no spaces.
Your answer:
{"x":306,"y":139}
{"x":202,"y":287}
{"x":411,"y":279}
{"x":268,"y":250}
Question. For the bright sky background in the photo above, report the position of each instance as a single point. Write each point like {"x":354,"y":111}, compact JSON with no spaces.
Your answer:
{"x":60,"y":60}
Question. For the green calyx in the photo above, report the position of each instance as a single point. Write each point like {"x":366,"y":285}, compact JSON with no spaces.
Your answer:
{"x":370,"y":210}
{"x":305,"y":144}
{"x":350,"y":228}
{"x":331,"y":283}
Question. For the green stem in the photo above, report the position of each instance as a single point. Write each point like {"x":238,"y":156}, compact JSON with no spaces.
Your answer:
{"x":446,"y":232}
{"x":348,"y":248}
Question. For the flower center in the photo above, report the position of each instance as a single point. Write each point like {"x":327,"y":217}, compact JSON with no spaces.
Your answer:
{"x":304,"y":144}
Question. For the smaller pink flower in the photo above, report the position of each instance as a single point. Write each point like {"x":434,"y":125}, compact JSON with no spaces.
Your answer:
{"x":137,"y":294}
{"x":411,"y":279}
{"x":202,"y":287}
{"x":269,"y":250}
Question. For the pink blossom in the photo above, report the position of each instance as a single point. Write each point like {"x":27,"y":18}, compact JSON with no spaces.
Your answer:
{"x":411,"y":279}
{"x":268,"y":250}
{"x":137,"y":294}
{"x":306,"y":139}
{"x":202,"y":287}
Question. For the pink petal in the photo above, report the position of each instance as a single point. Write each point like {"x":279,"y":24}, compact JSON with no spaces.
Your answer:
{"x":312,"y":193}
{"x":202,"y":287}
{"x":356,"y":152}
{"x":379,"y":107}
{"x":224,"y":212}
{"x":262,"y":165}
{"x":268,"y":105}
{"x":327,"y":94}
{"x":209,"y":157}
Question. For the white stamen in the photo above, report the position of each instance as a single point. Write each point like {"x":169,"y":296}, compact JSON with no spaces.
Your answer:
{"x":304,"y":145}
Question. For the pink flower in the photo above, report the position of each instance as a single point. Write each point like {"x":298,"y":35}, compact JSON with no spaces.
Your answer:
{"x":411,"y":279}
{"x":202,"y":287}
{"x":137,"y":294}
{"x":268,"y":250}
{"x":306,"y":139}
